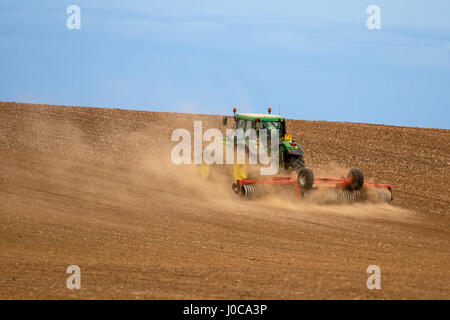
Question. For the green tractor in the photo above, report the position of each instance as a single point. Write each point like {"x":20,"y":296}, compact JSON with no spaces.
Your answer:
{"x":290,"y":153}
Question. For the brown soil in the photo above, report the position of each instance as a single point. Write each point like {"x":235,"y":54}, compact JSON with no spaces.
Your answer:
{"x":95,"y":188}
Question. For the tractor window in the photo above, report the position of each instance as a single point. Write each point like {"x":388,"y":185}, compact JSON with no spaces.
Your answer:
{"x":272,"y":126}
{"x":249,"y":124}
{"x":240,"y":124}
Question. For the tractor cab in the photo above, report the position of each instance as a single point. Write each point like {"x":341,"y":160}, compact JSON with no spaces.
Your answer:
{"x":291,"y":154}
{"x":269,"y":122}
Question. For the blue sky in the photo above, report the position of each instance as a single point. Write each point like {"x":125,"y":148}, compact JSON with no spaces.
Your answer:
{"x":315,"y":59}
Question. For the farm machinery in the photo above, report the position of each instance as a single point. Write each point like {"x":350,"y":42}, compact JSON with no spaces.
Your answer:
{"x":306,"y":186}
{"x":295,"y":176}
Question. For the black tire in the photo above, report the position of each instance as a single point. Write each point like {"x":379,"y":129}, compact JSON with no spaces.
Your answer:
{"x":296,"y":162}
{"x":235,"y":188}
{"x":356,"y":177}
{"x":305,"y":178}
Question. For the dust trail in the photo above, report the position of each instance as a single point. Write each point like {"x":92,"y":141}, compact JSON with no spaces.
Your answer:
{"x":144,"y":165}
{"x":186,"y":180}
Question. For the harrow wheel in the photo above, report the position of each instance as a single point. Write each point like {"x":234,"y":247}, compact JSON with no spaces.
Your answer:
{"x":373,"y":194}
{"x":383,"y":194}
{"x":305,"y":178}
{"x":356,"y":177}
{"x":329,"y":195}
{"x":252,"y":191}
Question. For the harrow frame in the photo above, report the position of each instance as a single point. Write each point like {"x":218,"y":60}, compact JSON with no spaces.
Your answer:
{"x":337,"y":183}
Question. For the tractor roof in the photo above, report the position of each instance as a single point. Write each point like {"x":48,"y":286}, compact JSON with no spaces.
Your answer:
{"x":262,"y":116}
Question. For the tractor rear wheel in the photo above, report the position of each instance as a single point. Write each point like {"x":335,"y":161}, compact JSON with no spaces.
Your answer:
{"x":296,"y":162}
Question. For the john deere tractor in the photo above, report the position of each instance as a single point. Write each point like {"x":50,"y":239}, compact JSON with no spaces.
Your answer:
{"x":290,"y":153}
